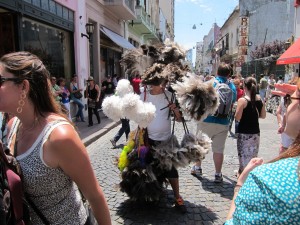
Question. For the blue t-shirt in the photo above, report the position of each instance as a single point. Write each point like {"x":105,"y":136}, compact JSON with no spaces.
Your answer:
{"x":270,"y":195}
{"x":224,"y":121}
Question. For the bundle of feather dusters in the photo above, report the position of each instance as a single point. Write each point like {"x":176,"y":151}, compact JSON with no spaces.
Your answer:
{"x":126,"y":104}
{"x":142,"y":181}
{"x":196,"y":98}
{"x":192,"y":148}
{"x":156,"y":62}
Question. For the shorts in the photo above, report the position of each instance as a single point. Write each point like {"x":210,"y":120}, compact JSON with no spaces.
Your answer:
{"x":170,"y":174}
{"x":218,"y":134}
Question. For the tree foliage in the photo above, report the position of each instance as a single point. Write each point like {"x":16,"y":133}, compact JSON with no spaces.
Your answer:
{"x":274,"y":49}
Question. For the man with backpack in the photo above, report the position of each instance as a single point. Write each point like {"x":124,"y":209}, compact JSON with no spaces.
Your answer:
{"x":216,"y":126}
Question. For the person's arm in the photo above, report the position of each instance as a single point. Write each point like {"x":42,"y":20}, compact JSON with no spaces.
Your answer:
{"x":98,"y":92}
{"x":239,"y":109}
{"x":263,"y":112}
{"x":241,"y":180}
{"x":66,"y":151}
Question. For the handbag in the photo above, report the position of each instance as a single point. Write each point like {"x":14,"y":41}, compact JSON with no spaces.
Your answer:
{"x":91,"y":220}
{"x":77,"y":95}
{"x":92,"y":104}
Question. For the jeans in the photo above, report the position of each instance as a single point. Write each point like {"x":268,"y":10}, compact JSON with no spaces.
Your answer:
{"x":80,"y":108}
{"x":125,"y":128}
{"x":262,"y":94}
{"x":90,"y":113}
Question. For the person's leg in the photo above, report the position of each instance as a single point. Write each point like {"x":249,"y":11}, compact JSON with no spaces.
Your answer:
{"x":218,"y":146}
{"x":120,"y":132}
{"x":67,"y":106}
{"x":80,"y":106}
{"x":205,"y":128}
{"x":90,"y":114}
{"x":175,"y":186}
{"x":218,"y":160}
{"x":97,"y":115}
{"x":172,"y":177}
{"x":127,"y":129}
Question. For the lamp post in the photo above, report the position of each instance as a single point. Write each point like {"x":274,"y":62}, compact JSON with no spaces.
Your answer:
{"x":89,"y":27}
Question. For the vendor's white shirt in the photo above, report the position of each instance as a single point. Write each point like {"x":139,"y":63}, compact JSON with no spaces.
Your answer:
{"x":160,"y":127}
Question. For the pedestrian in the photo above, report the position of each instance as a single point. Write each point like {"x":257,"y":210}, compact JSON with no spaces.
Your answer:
{"x":217,"y":126}
{"x":263,"y":84}
{"x":108,"y":87}
{"x":93,"y":96}
{"x":125,"y":128}
{"x":267,"y":189}
{"x":136,"y":83}
{"x":280,"y":80}
{"x":270,"y":87}
{"x":159,"y":129}
{"x":249,"y":109}
{"x":65,"y":96}
{"x":76,"y":98}
{"x":51,"y":155}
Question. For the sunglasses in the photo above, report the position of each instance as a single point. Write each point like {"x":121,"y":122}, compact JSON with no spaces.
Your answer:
{"x":4,"y":79}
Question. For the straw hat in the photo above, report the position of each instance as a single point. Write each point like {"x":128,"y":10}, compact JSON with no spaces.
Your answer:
{"x":90,"y":78}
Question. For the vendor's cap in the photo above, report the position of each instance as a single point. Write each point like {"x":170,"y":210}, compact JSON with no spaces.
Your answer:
{"x":90,"y":78}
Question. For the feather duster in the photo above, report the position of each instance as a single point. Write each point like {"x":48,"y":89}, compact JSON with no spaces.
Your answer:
{"x":124,"y":87}
{"x":130,"y":105}
{"x":145,"y":114}
{"x":196,"y":99}
{"x":169,"y":153}
{"x":197,"y":146}
{"x":153,"y":75}
{"x":174,"y":72}
{"x":112,"y":107}
{"x":136,"y":60}
{"x":142,"y":182}
{"x":171,"y":52}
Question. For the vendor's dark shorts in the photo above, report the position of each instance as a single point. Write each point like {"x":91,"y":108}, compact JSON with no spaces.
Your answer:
{"x":173,"y":173}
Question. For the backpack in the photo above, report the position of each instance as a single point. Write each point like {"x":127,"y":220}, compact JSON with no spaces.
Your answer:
{"x":14,"y":210}
{"x":225,"y":99}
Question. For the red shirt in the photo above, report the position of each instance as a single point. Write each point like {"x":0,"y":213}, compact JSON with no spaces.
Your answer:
{"x":239,"y":93}
{"x":136,"y":85}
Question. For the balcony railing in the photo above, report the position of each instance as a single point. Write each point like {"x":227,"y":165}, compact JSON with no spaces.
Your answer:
{"x":123,"y":8}
{"x":145,"y":19}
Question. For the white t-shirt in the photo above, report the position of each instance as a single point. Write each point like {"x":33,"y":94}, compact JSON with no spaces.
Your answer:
{"x":160,"y":127}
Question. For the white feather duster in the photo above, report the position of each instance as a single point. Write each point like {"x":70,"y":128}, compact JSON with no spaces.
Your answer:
{"x":145,"y":114}
{"x":130,"y":105}
{"x":124,"y":87}
{"x":112,"y":107}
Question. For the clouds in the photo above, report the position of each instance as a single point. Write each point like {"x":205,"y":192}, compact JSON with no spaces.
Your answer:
{"x":201,"y":3}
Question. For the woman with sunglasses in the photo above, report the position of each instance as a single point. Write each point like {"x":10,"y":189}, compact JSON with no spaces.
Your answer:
{"x":269,"y":193}
{"x":52,"y":157}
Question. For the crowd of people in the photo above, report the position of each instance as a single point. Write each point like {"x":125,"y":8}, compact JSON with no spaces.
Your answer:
{"x":56,"y":163}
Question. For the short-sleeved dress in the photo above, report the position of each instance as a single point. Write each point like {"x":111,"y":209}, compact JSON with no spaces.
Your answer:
{"x":270,"y":195}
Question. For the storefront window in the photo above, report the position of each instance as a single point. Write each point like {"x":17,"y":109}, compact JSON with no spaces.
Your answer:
{"x":51,"y":44}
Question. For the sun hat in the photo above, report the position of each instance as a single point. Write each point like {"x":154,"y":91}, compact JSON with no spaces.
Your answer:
{"x":90,"y":78}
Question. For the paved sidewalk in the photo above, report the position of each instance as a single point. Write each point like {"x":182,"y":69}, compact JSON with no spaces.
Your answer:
{"x":93,"y":133}
{"x":207,"y":202}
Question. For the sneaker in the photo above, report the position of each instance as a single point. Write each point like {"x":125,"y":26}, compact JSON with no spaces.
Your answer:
{"x":218,"y":178}
{"x":197,"y":171}
{"x":113,"y":142}
{"x":179,"y":204}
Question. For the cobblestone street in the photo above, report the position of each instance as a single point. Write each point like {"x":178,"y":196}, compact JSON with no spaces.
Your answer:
{"x":207,"y":202}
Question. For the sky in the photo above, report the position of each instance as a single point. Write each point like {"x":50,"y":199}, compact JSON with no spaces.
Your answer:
{"x":205,"y":12}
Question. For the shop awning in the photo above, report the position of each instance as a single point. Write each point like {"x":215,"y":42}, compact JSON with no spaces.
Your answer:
{"x":291,"y":55}
{"x":118,"y":39}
